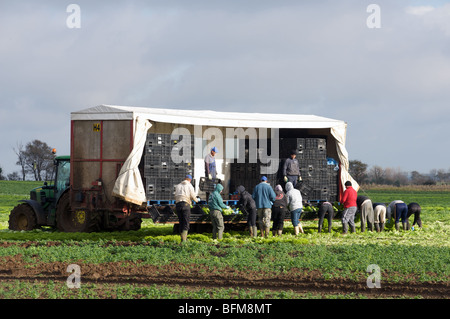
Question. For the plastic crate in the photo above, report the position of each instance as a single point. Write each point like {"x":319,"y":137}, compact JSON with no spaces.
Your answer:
{"x":208,"y":185}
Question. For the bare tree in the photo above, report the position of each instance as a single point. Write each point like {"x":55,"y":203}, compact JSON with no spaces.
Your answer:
{"x":21,"y":159}
{"x":36,"y":159}
{"x":377,"y":174}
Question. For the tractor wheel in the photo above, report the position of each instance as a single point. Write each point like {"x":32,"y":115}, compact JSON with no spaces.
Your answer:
{"x":22,"y":217}
{"x":68,"y":220}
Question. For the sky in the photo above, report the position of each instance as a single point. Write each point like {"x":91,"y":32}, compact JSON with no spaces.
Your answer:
{"x":384,"y":70}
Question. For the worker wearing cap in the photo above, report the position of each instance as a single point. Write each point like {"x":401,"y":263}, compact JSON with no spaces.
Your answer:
{"x":291,"y":169}
{"x":210,"y":163}
{"x":184,"y":195}
{"x":264,"y":196}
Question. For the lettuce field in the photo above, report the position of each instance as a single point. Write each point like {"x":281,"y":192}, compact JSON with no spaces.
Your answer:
{"x":151,"y":263}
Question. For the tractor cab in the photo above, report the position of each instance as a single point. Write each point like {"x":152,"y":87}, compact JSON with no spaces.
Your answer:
{"x":40,"y":209}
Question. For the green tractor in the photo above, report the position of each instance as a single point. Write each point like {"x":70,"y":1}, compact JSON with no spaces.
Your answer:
{"x":41,"y":209}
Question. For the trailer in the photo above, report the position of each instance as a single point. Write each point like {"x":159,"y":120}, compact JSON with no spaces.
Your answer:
{"x":125,"y":161}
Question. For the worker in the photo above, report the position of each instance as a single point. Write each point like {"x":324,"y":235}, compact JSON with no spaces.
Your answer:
{"x":365,"y":206}
{"x":291,"y":169}
{"x":350,"y":207}
{"x":184,"y":195}
{"x":264,"y":196}
{"x":210,"y":164}
{"x":279,"y":209}
{"x":295,"y":206}
{"x":397,"y":210}
{"x":414,"y":209}
{"x":216,"y":205}
{"x":247,"y":203}
{"x":379,"y":216}
{"x":325,"y":208}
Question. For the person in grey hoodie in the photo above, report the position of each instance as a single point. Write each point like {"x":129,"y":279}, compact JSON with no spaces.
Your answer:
{"x":295,"y":205}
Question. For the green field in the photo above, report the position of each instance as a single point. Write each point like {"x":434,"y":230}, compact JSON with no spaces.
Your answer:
{"x":407,"y":259}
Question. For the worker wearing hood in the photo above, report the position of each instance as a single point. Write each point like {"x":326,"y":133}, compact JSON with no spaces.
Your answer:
{"x":295,"y":205}
{"x":216,"y":205}
{"x":247,"y":203}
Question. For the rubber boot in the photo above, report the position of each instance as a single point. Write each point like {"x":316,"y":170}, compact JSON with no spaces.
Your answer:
{"x":382,"y":227}
{"x":329,"y":227}
{"x":184,"y":236}
{"x":267,"y":232}
{"x":250,"y":230}
{"x":279,"y":232}
{"x":255,"y":231}
{"x":352,"y":228}
{"x":397,"y":226}
{"x":295,"y":230}
{"x":301,"y":228}
{"x":405,"y":226}
{"x":344,"y":228}
{"x":320,"y":228}
{"x":377,"y":227}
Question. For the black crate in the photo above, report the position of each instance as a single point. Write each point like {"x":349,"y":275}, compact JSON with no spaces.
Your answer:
{"x":208,"y":185}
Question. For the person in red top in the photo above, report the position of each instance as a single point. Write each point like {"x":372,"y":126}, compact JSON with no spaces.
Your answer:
{"x":349,"y":201}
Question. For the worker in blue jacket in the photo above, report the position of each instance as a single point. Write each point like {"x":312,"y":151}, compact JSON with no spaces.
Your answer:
{"x":264,"y":197}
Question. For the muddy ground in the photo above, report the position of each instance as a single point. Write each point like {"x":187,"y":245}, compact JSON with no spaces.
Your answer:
{"x":196,"y":277}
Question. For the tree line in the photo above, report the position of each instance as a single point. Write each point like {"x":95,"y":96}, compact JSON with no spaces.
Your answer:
{"x":395,"y":176}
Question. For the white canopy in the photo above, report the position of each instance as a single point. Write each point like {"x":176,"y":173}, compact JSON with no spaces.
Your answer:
{"x":125,"y":186}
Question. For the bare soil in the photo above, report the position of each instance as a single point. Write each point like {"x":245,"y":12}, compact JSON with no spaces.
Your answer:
{"x":197,"y":277}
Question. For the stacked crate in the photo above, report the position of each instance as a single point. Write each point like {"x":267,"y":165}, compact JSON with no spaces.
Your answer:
{"x":319,"y":175}
{"x":248,"y":174}
{"x":162,"y":170}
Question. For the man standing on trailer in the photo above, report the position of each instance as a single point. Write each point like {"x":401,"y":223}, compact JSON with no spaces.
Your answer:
{"x":291,"y":169}
{"x":184,"y":195}
{"x":210,"y":164}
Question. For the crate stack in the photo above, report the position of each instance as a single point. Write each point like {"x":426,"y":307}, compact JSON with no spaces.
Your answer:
{"x":163,"y":168}
{"x":248,"y":175}
{"x":319,"y":174}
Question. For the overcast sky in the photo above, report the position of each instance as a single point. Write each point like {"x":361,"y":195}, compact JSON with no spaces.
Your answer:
{"x":390,"y":84}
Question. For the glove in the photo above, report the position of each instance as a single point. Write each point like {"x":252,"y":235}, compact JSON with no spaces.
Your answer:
{"x":285,"y":179}
{"x":209,"y":176}
{"x":299,"y":178}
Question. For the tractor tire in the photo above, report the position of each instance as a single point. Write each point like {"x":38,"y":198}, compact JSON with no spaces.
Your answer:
{"x":22,"y":217}
{"x":68,"y":220}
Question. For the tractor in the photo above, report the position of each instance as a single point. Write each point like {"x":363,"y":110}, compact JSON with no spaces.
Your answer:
{"x":45,"y":201}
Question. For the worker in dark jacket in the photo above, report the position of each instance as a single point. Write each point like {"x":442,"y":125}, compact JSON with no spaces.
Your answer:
{"x":325,"y":208}
{"x":365,"y":206}
{"x":291,"y":169}
{"x":414,"y":209}
{"x":279,"y":209}
{"x":247,"y":203}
